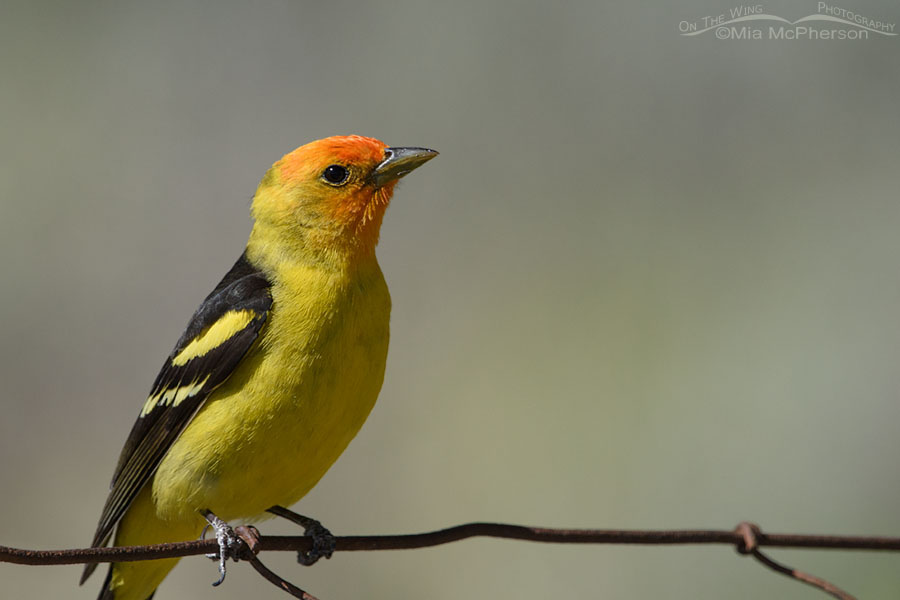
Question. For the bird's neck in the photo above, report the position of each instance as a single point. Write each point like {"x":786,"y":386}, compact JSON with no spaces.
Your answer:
{"x":271,"y":249}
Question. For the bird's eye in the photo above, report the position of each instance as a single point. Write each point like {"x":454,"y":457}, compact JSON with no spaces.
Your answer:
{"x":335,"y":174}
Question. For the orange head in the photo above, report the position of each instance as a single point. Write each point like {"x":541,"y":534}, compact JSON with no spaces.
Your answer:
{"x":330,"y":195}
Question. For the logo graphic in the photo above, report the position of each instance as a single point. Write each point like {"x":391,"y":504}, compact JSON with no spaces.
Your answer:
{"x":829,"y":22}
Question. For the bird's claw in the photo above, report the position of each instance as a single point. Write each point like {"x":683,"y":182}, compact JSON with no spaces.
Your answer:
{"x":322,"y":543}
{"x":229,"y":543}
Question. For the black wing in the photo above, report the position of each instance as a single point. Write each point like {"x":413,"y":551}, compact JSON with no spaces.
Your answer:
{"x":216,"y":338}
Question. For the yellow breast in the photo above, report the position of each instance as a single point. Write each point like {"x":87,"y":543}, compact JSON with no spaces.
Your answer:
{"x":299,"y":396}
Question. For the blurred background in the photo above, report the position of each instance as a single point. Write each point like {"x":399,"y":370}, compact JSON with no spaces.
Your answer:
{"x":651,"y":281}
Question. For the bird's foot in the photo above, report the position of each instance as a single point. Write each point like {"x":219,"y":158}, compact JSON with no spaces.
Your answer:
{"x":230,"y":544}
{"x":323,"y":542}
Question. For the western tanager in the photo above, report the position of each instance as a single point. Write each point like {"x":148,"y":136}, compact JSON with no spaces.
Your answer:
{"x":278,"y":368}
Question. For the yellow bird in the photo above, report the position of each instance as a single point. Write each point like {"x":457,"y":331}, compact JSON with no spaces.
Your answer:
{"x":276,"y":371}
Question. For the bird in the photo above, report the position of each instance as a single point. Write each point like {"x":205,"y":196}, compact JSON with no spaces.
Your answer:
{"x":277,"y":369}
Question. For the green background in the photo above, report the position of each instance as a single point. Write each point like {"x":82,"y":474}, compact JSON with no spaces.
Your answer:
{"x":651,"y":281}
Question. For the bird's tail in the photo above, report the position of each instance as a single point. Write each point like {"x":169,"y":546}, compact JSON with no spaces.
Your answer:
{"x":108,"y":591}
{"x":141,"y":526}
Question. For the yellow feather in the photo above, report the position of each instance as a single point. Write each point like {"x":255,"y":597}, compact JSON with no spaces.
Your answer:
{"x":215,"y":335}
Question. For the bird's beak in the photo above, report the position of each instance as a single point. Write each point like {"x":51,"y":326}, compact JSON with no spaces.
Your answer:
{"x":398,"y":162}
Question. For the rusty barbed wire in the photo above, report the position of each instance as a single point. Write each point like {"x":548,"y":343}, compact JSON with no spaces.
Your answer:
{"x":746,"y":538}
